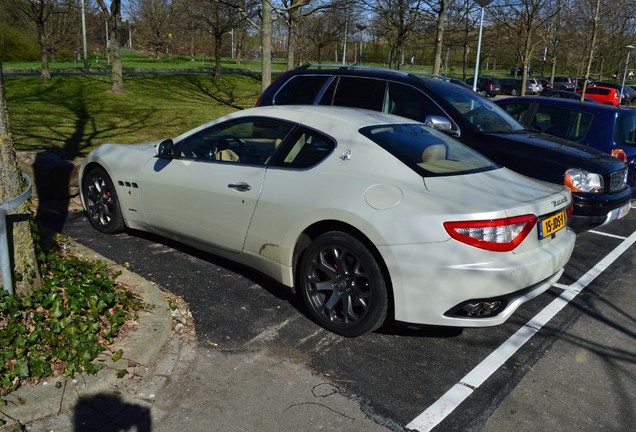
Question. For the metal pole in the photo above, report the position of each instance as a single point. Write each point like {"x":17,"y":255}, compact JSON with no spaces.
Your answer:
{"x":85,"y":49}
{"x":481,"y":25}
{"x":5,"y":257}
{"x":629,"y":51}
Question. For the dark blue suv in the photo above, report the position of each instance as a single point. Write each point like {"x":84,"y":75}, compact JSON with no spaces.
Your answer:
{"x":604,"y":127}
{"x":597,"y":180}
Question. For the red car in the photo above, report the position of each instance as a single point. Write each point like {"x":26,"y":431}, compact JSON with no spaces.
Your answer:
{"x":605,"y":95}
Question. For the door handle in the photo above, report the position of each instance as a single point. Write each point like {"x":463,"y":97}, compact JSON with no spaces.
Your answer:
{"x":241,"y":187}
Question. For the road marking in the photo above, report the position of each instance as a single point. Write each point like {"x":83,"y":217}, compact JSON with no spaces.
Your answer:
{"x":445,"y":405}
{"x":607,"y":234}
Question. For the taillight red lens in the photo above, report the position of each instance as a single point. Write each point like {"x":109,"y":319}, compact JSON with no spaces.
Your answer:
{"x":499,"y":235}
{"x":570,"y":211}
{"x":620,"y":154}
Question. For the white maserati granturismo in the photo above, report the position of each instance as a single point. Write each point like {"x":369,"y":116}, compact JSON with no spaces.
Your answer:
{"x":368,"y":216}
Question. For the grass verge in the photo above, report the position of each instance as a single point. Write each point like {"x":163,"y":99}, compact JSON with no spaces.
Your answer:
{"x":77,"y":113}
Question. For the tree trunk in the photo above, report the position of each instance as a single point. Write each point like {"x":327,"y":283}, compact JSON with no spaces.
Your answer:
{"x":439,"y":45}
{"x":595,"y":21}
{"x":21,"y":245}
{"x":291,"y":38}
{"x":113,"y":18}
{"x":45,"y":75}
{"x":115,"y":48}
{"x":266,"y":43}
{"x":217,"y":55}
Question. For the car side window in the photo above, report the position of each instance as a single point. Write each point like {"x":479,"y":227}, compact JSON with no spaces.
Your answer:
{"x":516,"y":110}
{"x":409,"y":102}
{"x":306,"y":149}
{"x":562,"y":122}
{"x":300,"y":90}
{"x":357,"y":92}
{"x":249,"y":141}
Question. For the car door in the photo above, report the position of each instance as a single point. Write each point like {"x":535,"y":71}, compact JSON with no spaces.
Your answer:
{"x":209,"y":190}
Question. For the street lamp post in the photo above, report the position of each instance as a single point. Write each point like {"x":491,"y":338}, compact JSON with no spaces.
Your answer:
{"x":360,"y":28}
{"x":483,"y":4}
{"x":629,"y":48}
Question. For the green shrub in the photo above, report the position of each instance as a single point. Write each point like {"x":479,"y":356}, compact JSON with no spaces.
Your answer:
{"x":62,"y":325}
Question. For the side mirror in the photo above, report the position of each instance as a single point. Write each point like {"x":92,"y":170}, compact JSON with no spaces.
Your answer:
{"x":441,"y":124}
{"x":165,"y":149}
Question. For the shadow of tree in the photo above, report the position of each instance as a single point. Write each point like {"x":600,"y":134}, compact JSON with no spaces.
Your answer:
{"x":106,"y":412}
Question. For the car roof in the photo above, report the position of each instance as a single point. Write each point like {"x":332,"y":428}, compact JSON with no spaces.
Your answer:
{"x":316,"y":115}
{"x":418,"y":78}
{"x":563,"y":102}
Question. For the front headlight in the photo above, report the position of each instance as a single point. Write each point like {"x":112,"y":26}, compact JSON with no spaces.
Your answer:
{"x":579,"y":180}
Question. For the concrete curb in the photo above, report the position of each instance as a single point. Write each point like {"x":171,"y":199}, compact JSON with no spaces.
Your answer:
{"x":140,"y":346}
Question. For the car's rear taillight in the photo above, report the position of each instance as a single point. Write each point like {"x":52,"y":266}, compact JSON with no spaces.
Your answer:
{"x":490,"y":86}
{"x":569,"y":211}
{"x":619,"y":154}
{"x":499,"y":235}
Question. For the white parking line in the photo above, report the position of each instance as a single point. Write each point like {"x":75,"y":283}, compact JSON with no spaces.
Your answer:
{"x":607,"y":234}
{"x":445,"y":405}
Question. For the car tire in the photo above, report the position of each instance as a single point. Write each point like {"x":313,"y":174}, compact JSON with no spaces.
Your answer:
{"x":482,"y":93}
{"x":514,"y":92}
{"x":342,"y":285}
{"x":101,"y":202}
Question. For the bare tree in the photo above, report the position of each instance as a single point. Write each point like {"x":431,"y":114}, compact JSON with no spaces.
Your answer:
{"x":154,"y":22}
{"x":396,"y":19}
{"x":38,"y":13}
{"x":217,"y":19}
{"x":523,"y":18}
{"x":321,"y":31}
{"x":113,"y":17}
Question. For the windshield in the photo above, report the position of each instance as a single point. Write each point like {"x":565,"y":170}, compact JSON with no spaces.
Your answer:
{"x":625,"y":130}
{"x":427,"y":151}
{"x":482,"y":114}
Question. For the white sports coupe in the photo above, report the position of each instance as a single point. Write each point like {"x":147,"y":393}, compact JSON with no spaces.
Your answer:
{"x":368,"y":216}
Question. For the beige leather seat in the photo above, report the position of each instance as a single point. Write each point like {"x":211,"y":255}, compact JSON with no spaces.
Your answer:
{"x":227,"y":155}
{"x":433,"y":153}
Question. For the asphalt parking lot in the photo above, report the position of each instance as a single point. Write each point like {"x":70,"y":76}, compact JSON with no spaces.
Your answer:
{"x":418,"y":378}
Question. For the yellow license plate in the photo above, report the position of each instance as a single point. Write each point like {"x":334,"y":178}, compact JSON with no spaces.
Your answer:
{"x":551,"y":224}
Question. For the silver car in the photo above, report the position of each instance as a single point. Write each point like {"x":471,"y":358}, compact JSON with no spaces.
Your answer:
{"x":369,"y":216}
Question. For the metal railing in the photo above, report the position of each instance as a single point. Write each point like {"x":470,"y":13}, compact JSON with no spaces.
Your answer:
{"x":5,"y":258}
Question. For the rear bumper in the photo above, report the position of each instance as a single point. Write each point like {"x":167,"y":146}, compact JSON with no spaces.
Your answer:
{"x":583,"y":223}
{"x":432,"y":282}
{"x":591,"y":213}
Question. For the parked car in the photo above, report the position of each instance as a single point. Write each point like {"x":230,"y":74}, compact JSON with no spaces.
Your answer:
{"x":598,"y":181}
{"x":627,"y":94}
{"x":609,"y":129}
{"x":535,"y":85}
{"x":351,"y":208}
{"x":604,"y":95}
{"x":564,"y":94}
{"x":486,"y":86}
{"x":564,"y":83}
{"x":512,"y":86}
{"x":546,"y":84}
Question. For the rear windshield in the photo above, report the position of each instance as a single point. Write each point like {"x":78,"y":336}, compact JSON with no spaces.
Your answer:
{"x":427,"y":151}
{"x":625,"y":129}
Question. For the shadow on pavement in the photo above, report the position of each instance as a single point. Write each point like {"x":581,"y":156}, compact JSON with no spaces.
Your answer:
{"x":105,"y":412}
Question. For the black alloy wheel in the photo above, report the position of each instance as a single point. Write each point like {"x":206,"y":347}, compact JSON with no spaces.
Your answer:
{"x":342,"y":285}
{"x":100,"y":199}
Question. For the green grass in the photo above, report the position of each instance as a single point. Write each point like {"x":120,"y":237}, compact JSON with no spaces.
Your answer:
{"x":77,"y":113}
{"x":137,"y":61}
